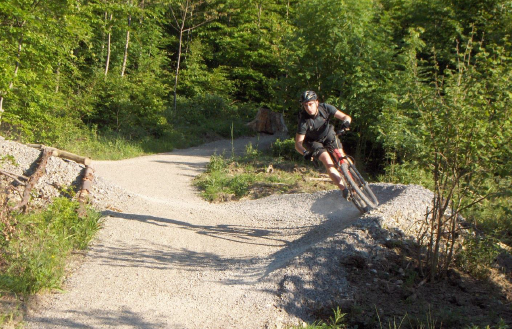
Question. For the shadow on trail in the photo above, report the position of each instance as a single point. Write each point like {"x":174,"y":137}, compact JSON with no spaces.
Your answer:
{"x":339,"y":215}
{"x":253,"y":268}
{"x":189,"y":165}
{"x":163,"y":257}
{"x":233,"y":233}
{"x":102,"y":319}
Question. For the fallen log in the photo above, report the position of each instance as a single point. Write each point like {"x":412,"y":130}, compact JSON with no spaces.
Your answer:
{"x":63,"y":154}
{"x":85,"y":190}
{"x":87,"y":182}
{"x":14,"y":176}
{"x":32,"y":181}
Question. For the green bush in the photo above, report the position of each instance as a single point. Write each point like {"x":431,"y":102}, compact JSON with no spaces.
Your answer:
{"x":35,"y":254}
{"x":477,"y":255}
{"x":217,"y":164}
{"x":494,"y":217}
{"x":285,"y":149}
{"x":406,"y":173}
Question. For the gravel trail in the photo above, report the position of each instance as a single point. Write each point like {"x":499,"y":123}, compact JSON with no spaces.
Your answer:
{"x":165,"y":258}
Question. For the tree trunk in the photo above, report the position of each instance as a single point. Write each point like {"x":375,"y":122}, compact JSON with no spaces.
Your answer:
{"x":1,"y":108}
{"x":180,"y":42}
{"x":57,"y":78}
{"x":108,"y":49}
{"x":126,"y":45}
{"x":260,"y":7}
{"x":177,"y":70}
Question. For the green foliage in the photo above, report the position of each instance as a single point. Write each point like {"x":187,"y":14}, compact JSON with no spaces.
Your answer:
{"x":209,"y":117}
{"x":204,"y":107}
{"x":199,"y":79}
{"x":244,"y":43}
{"x":36,"y":252}
{"x":285,"y":149}
{"x":219,"y":181}
{"x":123,"y":105}
{"x":477,"y":255}
{"x":217,"y":164}
{"x":334,"y":322}
{"x":249,"y":176}
{"x":494,"y":216}
{"x":452,"y":126}
{"x":407,"y":172}
{"x":107,"y":146}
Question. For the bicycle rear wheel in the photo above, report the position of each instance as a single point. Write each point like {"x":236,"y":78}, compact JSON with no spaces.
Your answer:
{"x":363,"y":197}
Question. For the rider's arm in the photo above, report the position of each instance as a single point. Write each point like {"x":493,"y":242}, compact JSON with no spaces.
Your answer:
{"x":299,"y":139}
{"x":342,"y":116}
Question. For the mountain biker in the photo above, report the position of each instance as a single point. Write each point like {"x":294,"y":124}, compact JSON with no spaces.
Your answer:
{"x":315,"y":135}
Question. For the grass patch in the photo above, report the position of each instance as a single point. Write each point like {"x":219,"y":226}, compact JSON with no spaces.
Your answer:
{"x":110,"y":145}
{"x":256,"y":174}
{"x":334,"y":322}
{"x":35,"y":246}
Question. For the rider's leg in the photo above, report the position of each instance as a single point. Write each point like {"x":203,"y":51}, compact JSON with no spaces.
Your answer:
{"x":331,"y":170}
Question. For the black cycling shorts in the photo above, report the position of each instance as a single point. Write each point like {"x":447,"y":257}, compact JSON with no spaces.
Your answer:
{"x":328,"y":143}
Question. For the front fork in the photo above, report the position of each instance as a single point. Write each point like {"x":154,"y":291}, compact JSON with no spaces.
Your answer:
{"x":338,"y":156}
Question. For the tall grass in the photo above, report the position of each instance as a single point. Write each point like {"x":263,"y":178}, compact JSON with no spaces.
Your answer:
{"x":335,"y":322}
{"x":34,"y":253}
{"x":257,"y":174}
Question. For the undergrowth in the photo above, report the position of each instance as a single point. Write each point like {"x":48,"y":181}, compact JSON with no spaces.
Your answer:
{"x":35,"y":246}
{"x":257,"y":174}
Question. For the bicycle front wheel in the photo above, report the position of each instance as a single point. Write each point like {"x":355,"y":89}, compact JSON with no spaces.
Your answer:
{"x":363,"y":195}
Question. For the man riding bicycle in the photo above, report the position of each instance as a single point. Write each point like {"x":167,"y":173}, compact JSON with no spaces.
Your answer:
{"x":315,"y":136}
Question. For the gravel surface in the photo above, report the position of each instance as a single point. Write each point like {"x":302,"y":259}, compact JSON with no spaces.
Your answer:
{"x":165,"y":258}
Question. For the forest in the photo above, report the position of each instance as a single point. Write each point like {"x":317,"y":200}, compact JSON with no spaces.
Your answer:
{"x":427,"y":82}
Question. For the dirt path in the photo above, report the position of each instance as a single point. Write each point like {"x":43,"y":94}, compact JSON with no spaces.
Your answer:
{"x":172,"y":260}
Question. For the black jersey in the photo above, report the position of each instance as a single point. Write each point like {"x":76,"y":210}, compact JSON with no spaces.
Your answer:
{"x":316,"y":127}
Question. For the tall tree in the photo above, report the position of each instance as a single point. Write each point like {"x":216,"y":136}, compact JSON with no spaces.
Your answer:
{"x":187,"y":15}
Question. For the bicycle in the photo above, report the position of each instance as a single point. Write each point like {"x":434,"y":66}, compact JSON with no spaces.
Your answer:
{"x":360,"y":192}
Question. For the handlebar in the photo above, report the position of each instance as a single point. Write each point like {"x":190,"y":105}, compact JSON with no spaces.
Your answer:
{"x":342,"y":131}
{"x":345,"y":126}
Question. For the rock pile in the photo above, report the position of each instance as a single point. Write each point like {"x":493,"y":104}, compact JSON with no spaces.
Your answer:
{"x":61,"y":177}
